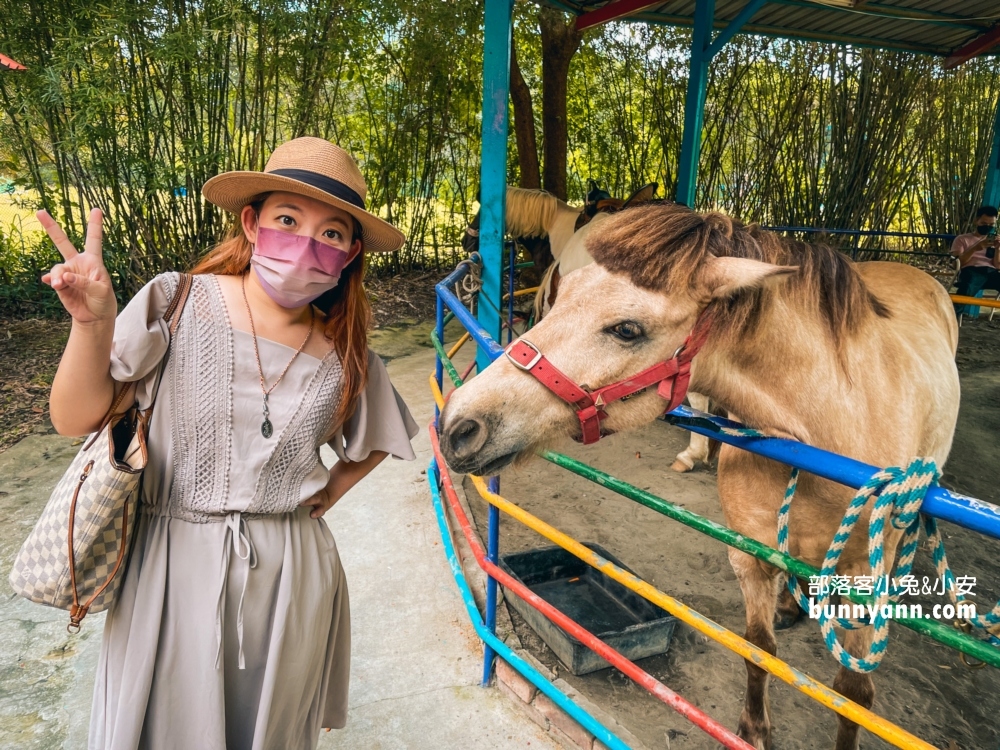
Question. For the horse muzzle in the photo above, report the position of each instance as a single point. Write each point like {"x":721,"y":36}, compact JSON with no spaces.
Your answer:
{"x":468,"y":445}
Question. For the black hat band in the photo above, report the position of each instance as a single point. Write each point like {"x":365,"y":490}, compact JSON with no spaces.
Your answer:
{"x":336,"y":188}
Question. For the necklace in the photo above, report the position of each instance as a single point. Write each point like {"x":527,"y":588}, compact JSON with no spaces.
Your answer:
{"x":266,"y":429}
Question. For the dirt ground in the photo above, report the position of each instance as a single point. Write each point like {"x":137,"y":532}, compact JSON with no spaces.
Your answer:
{"x":29,"y":354}
{"x":921,"y":685}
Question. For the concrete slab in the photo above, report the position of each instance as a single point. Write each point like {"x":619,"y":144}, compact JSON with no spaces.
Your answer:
{"x":416,"y":659}
{"x":46,"y":675}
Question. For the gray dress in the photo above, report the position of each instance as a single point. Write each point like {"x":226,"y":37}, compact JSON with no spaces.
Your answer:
{"x":232,"y":628}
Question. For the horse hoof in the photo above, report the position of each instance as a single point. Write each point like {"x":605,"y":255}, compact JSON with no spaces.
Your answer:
{"x":681,"y":466}
{"x":785,"y":620}
{"x":757,"y":734}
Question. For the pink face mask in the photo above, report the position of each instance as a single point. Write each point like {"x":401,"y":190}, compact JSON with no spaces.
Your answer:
{"x":295,"y":269}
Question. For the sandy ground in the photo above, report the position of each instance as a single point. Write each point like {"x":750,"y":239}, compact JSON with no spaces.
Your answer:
{"x":921,"y":685}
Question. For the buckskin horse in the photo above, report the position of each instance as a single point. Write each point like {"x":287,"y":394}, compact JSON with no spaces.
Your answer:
{"x":796,"y":341}
{"x":555,"y":232}
{"x":531,"y":214}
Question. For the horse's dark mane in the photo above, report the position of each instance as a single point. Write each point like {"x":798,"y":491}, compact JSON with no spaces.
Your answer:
{"x":661,"y":245}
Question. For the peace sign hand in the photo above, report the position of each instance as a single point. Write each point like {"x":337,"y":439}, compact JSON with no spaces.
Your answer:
{"x":82,"y":282}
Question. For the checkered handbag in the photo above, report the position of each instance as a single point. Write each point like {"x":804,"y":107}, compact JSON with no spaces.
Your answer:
{"x":74,"y":557}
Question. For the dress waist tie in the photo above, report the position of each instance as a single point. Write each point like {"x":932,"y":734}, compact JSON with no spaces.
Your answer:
{"x":237,"y":541}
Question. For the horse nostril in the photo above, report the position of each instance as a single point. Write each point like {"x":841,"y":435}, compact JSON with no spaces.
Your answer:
{"x":466,"y":437}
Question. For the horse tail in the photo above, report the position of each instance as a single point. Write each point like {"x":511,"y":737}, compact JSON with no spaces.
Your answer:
{"x":530,"y":213}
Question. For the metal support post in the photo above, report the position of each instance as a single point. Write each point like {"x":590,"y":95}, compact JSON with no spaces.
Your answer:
{"x":438,"y":364}
{"x":694,"y":105}
{"x":492,"y":197}
{"x":492,"y":554}
{"x":991,"y":194}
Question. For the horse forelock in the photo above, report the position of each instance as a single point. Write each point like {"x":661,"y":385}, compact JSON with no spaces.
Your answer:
{"x":662,"y":246}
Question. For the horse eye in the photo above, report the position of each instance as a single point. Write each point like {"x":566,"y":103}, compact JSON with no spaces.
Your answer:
{"x":627,"y":331}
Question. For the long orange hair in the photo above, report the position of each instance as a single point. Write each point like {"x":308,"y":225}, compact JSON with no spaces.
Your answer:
{"x":347,"y":312}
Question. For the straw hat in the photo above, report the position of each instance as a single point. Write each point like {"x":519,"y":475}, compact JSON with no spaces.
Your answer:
{"x":313,"y":167}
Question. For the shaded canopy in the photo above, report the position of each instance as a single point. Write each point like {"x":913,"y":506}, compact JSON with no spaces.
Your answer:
{"x":935,"y":27}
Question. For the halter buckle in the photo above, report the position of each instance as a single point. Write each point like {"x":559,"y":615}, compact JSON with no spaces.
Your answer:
{"x":534,"y":360}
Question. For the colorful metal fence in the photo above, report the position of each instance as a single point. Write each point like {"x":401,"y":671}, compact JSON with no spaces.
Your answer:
{"x":939,"y":502}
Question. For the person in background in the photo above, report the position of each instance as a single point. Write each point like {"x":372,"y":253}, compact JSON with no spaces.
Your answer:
{"x":977,"y":254}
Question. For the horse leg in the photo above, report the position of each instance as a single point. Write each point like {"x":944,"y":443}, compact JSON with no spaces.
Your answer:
{"x":698,"y":447}
{"x":757,"y":581}
{"x":696,"y":451}
{"x":859,"y":688}
{"x":788,"y":612}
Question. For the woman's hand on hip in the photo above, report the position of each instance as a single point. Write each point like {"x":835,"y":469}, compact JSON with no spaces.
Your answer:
{"x":81,"y":280}
{"x":321,"y":502}
{"x":343,"y":476}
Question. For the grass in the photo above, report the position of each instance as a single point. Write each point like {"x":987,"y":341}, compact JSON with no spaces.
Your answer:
{"x":15,"y":215}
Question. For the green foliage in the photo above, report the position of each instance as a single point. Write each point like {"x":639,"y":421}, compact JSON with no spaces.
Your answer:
{"x":132,"y":106}
{"x":23,"y":260}
{"x":796,"y":133}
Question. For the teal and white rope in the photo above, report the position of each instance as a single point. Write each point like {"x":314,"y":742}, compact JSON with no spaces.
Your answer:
{"x":898,"y":496}
{"x":988,"y":621}
{"x":898,"y":493}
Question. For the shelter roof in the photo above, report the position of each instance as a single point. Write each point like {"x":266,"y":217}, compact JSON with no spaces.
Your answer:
{"x":958,"y":30}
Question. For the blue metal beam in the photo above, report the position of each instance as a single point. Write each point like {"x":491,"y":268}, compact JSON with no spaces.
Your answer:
{"x":743,"y":17}
{"x":470,"y":323}
{"x":664,"y":19}
{"x":694,"y":106}
{"x":991,"y":195}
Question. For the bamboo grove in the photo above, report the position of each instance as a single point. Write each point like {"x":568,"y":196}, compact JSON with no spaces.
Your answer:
{"x":132,"y":106}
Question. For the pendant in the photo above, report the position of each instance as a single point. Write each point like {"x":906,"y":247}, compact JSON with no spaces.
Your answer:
{"x":265,"y":427}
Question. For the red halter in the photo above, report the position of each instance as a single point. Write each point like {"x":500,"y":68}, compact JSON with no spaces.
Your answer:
{"x":670,"y":376}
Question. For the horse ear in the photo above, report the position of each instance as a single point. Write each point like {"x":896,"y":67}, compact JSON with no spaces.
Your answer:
{"x":643,"y":195}
{"x":724,"y":276}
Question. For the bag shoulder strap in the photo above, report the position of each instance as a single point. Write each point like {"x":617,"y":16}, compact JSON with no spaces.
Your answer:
{"x":79,"y":611}
{"x":177,"y":302}
{"x":172,"y":316}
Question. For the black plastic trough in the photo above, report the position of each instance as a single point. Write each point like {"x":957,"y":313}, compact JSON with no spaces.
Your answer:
{"x":621,"y":618}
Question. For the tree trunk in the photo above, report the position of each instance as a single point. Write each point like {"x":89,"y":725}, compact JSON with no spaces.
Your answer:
{"x":560,"y":41}
{"x":524,"y":125}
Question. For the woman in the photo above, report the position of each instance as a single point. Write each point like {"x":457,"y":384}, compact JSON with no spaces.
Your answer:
{"x":231,"y":629}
